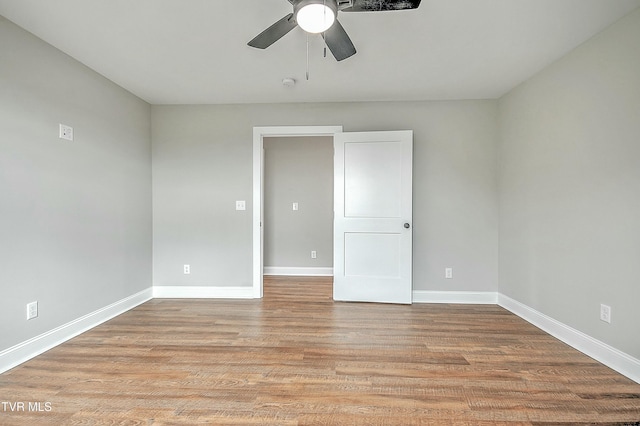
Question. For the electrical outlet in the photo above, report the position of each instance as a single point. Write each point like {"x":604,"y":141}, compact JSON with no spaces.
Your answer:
{"x":314,"y":254}
{"x":187,"y":269}
{"x":241,"y":205}
{"x":605,"y":313}
{"x":448,"y":273}
{"x":32,"y":310}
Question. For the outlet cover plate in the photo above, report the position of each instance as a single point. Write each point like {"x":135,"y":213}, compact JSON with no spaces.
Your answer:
{"x":448,"y":273}
{"x":32,"y":310}
{"x":605,"y":313}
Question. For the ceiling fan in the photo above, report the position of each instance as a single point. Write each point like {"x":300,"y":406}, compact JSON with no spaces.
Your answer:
{"x":320,"y":16}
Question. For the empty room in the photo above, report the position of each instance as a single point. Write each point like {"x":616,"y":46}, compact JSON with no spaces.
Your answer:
{"x":319,"y":212}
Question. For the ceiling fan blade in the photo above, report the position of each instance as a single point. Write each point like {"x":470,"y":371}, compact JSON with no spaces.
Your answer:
{"x":339,"y":42}
{"x":381,"y":5}
{"x":274,"y":32}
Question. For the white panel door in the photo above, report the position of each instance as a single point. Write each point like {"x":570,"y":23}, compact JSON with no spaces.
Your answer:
{"x":373,"y":217}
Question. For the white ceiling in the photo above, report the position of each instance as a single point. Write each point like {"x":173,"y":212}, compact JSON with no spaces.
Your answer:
{"x":195,"y":51}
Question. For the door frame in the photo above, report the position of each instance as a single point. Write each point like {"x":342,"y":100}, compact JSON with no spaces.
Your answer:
{"x":259,"y":133}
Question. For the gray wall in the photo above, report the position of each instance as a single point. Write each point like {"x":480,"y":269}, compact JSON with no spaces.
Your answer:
{"x":298,"y":170}
{"x":570,"y":188}
{"x":75,"y":217}
{"x":202,"y":163}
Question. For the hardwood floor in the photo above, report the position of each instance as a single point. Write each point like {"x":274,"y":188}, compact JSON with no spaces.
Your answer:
{"x":297,"y":358}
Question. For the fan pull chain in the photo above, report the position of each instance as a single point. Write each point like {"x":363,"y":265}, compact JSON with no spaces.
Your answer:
{"x":307,"y":56}
{"x":325,"y":17}
{"x":325,"y":45}
{"x":324,"y":39}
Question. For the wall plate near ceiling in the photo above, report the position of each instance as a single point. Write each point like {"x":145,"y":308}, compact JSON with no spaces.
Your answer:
{"x":66,"y":132}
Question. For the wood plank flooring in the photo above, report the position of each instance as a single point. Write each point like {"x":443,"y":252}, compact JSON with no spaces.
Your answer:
{"x":297,"y":358}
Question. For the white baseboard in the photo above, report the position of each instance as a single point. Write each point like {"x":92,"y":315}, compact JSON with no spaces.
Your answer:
{"x":298,"y":271}
{"x":197,"y":292}
{"x":609,"y":356}
{"x":465,"y":297}
{"x":601,"y":352}
{"x":33,"y":347}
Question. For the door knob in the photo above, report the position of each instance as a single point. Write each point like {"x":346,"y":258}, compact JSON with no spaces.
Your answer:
{"x":407,"y":226}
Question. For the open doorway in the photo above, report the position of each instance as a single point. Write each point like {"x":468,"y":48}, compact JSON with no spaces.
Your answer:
{"x":298,"y":206}
{"x":259,"y":135}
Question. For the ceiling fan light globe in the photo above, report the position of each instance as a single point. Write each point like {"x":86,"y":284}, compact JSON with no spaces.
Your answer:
{"x":315,"y":18}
